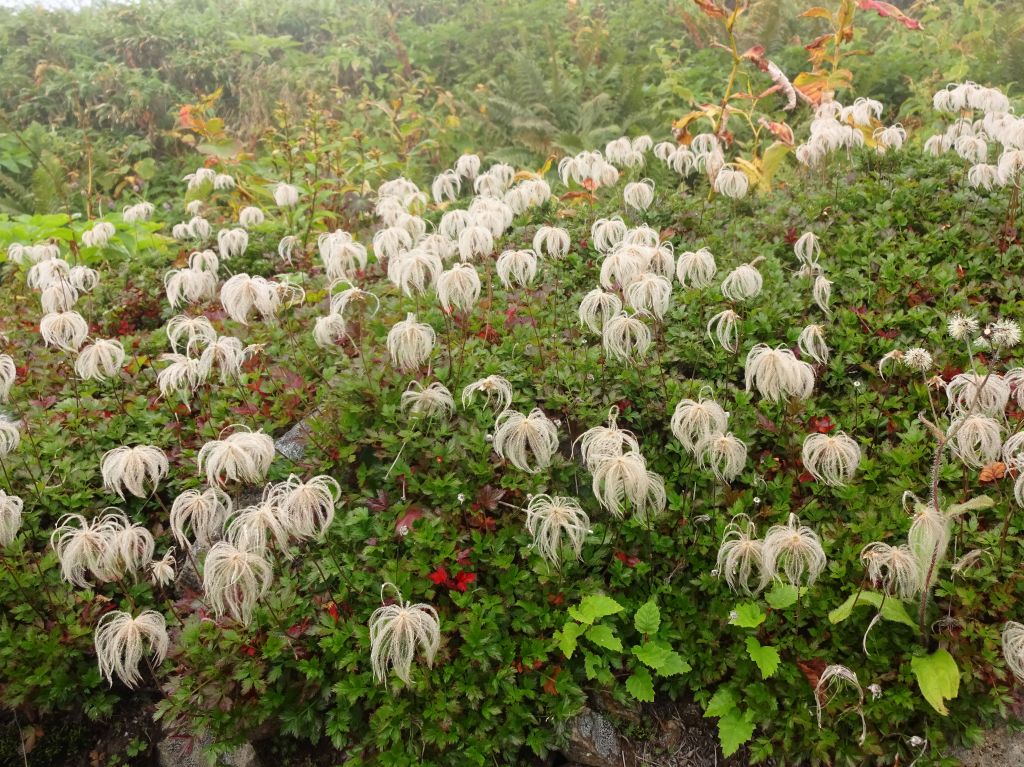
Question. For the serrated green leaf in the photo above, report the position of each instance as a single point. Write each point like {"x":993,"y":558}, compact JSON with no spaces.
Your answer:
{"x":748,"y":615}
{"x":640,"y":685}
{"x":735,"y":729}
{"x":603,"y":636}
{"x":938,"y":677}
{"x":567,"y":637}
{"x":721,"y":703}
{"x":781,"y":596}
{"x":594,"y":607}
{"x":892,"y":609}
{"x":652,"y":654}
{"x":674,"y":664}
{"x":648,"y":618}
{"x":765,"y":656}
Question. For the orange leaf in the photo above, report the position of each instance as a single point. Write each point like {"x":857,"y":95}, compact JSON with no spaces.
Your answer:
{"x":992,"y":472}
{"x":817,"y":13}
{"x":711,"y":9}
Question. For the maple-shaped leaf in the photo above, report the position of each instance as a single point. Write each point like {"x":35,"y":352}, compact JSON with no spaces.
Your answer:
{"x":488,"y":497}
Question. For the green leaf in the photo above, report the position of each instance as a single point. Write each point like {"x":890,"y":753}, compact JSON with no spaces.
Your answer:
{"x":781,"y":596}
{"x":765,"y":656}
{"x":721,"y":703}
{"x":938,"y":677}
{"x":892,"y":609}
{"x":735,"y":729}
{"x":594,"y":607}
{"x":641,"y":686}
{"x":603,"y":636}
{"x":652,"y":654}
{"x":567,"y":637}
{"x":748,"y":615}
{"x":647,"y":618}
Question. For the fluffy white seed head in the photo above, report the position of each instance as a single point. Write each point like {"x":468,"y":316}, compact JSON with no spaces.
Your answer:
{"x":723,"y":453}
{"x":517,"y":268}
{"x":1013,"y":648}
{"x":286,"y":196}
{"x":10,"y":517}
{"x":724,"y":327}
{"x":99,"y":235}
{"x":551,"y":241}
{"x":831,"y":458}
{"x":397,"y":631}
{"x":731,"y":182}
{"x":475,"y":241}
{"x":192,"y":331}
{"x":975,"y":393}
{"x":10,"y":436}
{"x":307,"y":506}
{"x":234,"y":579}
{"x":494,"y":387}
{"x":121,"y":641}
{"x":183,"y":375}
{"x":625,"y":337}
{"x":696,"y":420}
{"x":624,"y":480}
{"x":811,"y":343}
{"x":202,"y":511}
{"x":649,"y":294}
{"x":65,"y":330}
{"x":606,"y":233}
{"x":528,"y":442}
{"x":250,"y":216}
{"x":100,"y":360}
{"x":777,"y":374}
{"x":742,"y":283}
{"x":893,"y":568}
{"x":638,"y":194}
{"x":58,"y":296}
{"x":8,"y":375}
{"x":82,"y":547}
{"x":555,"y":521}
{"x":243,"y":456}
{"x":603,"y":442}
{"x":795,"y":550}
{"x":975,"y":439}
{"x":822,"y":293}
{"x":597,"y":308}
{"x":458,"y":287}
{"x":428,"y":401}
{"x":410,"y":343}
{"x":415,"y":271}
{"x":696,"y":268}
{"x":132,"y":469}
{"x":329,"y":330}
{"x":741,"y":557}
{"x":190,"y":286}
{"x":231,"y":243}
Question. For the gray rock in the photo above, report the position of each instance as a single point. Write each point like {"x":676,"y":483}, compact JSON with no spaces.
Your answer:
{"x":292,"y":444}
{"x":594,"y":741}
{"x":177,"y":751}
{"x":1001,"y":747}
{"x":665,"y":735}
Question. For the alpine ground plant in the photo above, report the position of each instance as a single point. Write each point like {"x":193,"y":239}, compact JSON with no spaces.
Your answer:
{"x":561,"y":438}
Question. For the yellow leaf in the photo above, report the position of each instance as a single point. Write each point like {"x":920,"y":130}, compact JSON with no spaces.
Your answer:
{"x":770,"y":164}
{"x":817,"y":13}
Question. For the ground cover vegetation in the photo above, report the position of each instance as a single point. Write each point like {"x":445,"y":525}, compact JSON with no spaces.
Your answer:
{"x":662,"y":352}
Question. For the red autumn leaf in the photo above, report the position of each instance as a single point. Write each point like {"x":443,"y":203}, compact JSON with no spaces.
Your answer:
{"x":462,"y":581}
{"x":556,"y":599}
{"x":405,"y":523}
{"x":379,"y":502}
{"x":822,"y":425}
{"x":333,"y":610}
{"x":764,"y":423}
{"x":487,"y":497}
{"x":889,"y":11}
{"x":549,"y":683}
{"x":710,"y":9}
{"x":439,"y":576}
{"x":812,"y":670}
{"x":462,"y":557}
{"x":781,"y":131}
{"x":627,"y":559}
{"x":792,"y":235}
